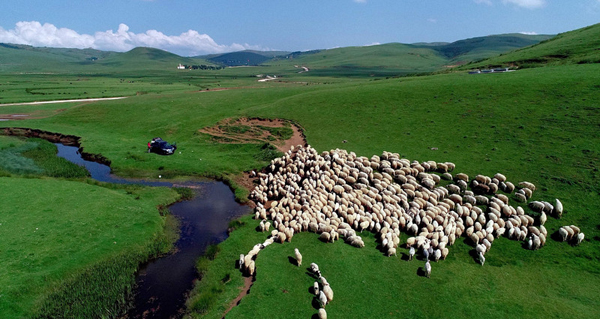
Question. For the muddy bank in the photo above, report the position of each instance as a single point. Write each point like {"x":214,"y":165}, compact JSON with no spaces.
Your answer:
{"x":69,"y":140}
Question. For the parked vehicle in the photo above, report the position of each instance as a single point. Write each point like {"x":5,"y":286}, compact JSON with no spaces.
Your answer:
{"x":160,"y":146}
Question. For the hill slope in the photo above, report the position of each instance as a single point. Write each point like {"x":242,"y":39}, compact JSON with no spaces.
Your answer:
{"x":24,"y":58}
{"x":396,"y":58}
{"x":574,"y":47}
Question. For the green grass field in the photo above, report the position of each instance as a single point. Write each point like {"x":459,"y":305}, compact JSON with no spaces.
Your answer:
{"x":71,"y":248}
{"x":535,"y":124}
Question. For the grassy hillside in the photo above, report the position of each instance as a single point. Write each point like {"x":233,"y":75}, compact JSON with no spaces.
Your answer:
{"x":402,"y":59}
{"x":467,"y":50}
{"x":578,"y":46}
{"x":377,"y":60}
{"x":26,"y":59}
{"x":239,"y":58}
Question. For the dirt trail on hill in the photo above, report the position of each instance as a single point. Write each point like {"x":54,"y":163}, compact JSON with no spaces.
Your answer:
{"x":65,"y":101}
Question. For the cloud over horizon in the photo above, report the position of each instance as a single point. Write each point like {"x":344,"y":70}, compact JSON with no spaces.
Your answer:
{"x":529,"y":4}
{"x":189,"y":43}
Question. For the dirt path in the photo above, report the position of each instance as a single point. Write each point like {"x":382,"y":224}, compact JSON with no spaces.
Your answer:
{"x":66,"y":101}
{"x":245,"y":290}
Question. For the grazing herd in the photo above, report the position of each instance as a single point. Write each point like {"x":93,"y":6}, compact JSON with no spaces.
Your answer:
{"x":339,"y":195}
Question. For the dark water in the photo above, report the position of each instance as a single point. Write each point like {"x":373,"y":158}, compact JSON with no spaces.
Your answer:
{"x":162,"y":284}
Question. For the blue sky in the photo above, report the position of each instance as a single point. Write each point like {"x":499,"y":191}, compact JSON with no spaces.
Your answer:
{"x":193,"y":27}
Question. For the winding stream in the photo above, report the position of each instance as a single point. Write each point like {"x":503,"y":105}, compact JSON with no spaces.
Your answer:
{"x":162,"y":284}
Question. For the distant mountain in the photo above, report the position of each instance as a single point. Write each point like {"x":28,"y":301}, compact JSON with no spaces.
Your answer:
{"x":574,"y":47}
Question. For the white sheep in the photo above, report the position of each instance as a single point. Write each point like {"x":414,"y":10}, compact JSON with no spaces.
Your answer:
{"x":437,"y":254}
{"x":314,"y":268}
{"x":328,"y":292}
{"x":241,"y":261}
{"x":391,"y":251}
{"x":322,"y":313}
{"x":481,"y":258}
{"x":411,"y":253}
{"x":316,"y":288}
{"x":563,"y":233}
{"x":580,"y":238}
{"x":427,"y":269}
{"x":251,"y":268}
{"x":558,"y":208}
{"x":322,"y":299}
{"x":298,"y":257}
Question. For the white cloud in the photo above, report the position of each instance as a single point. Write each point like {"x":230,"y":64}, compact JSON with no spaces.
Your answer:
{"x":189,"y":43}
{"x":529,"y":33}
{"x":488,"y":2}
{"x":360,"y":1}
{"x":529,"y":4}
{"x":431,"y":20}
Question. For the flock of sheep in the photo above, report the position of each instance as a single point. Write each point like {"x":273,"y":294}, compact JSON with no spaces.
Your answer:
{"x":338,"y":195}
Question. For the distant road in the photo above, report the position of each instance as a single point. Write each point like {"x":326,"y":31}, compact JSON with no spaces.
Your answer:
{"x":66,"y":101}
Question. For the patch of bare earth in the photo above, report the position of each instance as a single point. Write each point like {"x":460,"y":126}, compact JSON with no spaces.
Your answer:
{"x":255,"y":130}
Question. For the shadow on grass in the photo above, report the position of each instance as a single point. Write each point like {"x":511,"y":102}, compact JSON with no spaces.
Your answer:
{"x":556,"y":236}
{"x":421,"y":272}
{"x":473,"y":254}
{"x":315,"y":303}
{"x":404,"y":256}
{"x":293,"y":261}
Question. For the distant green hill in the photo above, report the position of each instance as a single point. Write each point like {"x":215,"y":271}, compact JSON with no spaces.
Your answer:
{"x":378,"y":60}
{"x":483,"y":47}
{"x":574,"y":47}
{"x":24,"y":58}
{"x":239,"y":58}
{"x":398,"y":59}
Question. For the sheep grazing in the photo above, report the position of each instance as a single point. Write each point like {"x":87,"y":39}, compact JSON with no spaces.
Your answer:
{"x":314,"y":268}
{"x":328,"y":292}
{"x":580,"y":238}
{"x":427,"y":269}
{"x":558,"y":208}
{"x":391,"y":251}
{"x":322,"y":299}
{"x":563,"y":233}
{"x":322,"y":313}
{"x":481,"y":258}
{"x":337,"y":193}
{"x":426,"y":254}
{"x":298,"y":257}
{"x":316,"y":288}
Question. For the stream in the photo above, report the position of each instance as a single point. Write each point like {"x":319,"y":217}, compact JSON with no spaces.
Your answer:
{"x":162,"y":284}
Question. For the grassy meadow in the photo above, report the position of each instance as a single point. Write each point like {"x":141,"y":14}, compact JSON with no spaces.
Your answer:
{"x":535,"y":124}
{"x":71,"y":246}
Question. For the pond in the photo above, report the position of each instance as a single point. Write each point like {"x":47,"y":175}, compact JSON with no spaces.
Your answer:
{"x":162,"y":284}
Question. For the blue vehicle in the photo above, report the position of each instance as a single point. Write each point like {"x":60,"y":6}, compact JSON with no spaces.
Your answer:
{"x":160,"y":146}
